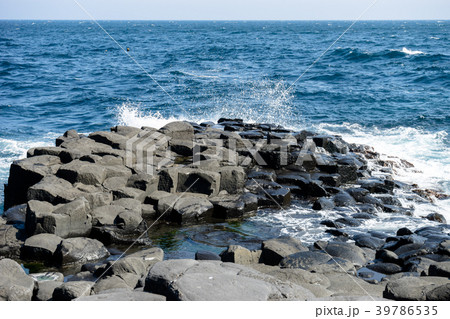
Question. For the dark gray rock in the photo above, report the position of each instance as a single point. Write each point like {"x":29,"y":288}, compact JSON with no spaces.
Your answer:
{"x":105,"y":215}
{"x":388,"y":256}
{"x":349,"y":221}
{"x":53,"y":190}
{"x":437,"y":217}
{"x":440,"y":293}
{"x":191,"y":209}
{"x":344,"y":199}
{"x":368,"y":241}
{"x":26,"y":173}
{"x":212,"y":280}
{"x":83,"y":172}
{"x":122,"y":295}
{"x":316,"y":261}
{"x":11,"y":241}
{"x":412,"y":288}
{"x":441,"y":269}
{"x":404,"y":231}
{"x":347,"y":251}
{"x":68,"y":220}
{"x":128,"y":219}
{"x":41,"y":247}
{"x":16,"y":214}
{"x":274,"y":250}
{"x":45,"y":290}
{"x":80,"y":250}
{"x":198,"y":181}
{"x":206,"y":255}
{"x":72,"y":290}
{"x":385,"y":268}
{"x":323,"y":204}
{"x":232,"y":179}
{"x":240,"y":255}
{"x":227,"y":207}
{"x":178,"y":130}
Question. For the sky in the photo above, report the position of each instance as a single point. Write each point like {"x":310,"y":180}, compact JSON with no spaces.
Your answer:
{"x":225,"y":9}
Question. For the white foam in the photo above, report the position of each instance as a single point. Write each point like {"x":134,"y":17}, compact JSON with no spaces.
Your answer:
{"x":131,"y":114}
{"x":427,"y":151}
{"x":411,"y":52}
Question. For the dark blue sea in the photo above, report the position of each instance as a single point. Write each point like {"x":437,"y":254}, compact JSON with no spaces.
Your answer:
{"x":383,"y":83}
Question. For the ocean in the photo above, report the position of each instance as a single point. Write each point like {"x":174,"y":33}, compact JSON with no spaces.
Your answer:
{"x":384,"y":83}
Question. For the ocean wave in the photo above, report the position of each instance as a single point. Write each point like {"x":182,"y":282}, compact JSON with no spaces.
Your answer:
{"x":355,"y":54}
{"x":411,"y":52}
{"x":184,"y":73}
{"x":428,"y":151}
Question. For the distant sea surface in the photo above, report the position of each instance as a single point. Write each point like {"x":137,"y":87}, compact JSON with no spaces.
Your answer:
{"x":385,"y":84}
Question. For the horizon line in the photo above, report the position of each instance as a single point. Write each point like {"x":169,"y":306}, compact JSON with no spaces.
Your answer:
{"x":222,"y":20}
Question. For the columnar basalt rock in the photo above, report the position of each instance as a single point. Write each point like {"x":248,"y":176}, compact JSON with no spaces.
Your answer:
{"x":68,"y":201}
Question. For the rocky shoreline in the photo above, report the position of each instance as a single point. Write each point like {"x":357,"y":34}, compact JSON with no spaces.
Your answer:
{"x":67,"y":207}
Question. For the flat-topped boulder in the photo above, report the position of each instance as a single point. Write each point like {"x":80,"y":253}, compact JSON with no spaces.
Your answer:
{"x":80,"y":250}
{"x":213,"y":280}
{"x":178,"y":130}
{"x":274,"y":250}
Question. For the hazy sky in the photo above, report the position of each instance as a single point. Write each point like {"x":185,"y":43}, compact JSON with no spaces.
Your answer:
{"x":225,"y":9}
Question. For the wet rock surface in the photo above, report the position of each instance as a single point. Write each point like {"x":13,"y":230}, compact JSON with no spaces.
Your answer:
{"x":70,"y":206}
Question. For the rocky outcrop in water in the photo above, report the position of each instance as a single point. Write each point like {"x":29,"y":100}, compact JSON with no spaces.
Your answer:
{"x":67,"y":205}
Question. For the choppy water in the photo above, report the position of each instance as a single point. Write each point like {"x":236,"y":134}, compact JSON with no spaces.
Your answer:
{"x":384,"y":83}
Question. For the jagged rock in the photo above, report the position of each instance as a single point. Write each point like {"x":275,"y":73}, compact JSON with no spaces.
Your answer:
{"x":80,"y":250}
{"x":198,"y":181}
{"x":41,"y":247}
{"x":15,"y":284}
{"x":213,"y":280}
{"x":227,"y":207}
{"x":274,"y":250}
{"x":16,"y":214}
{"x":26,"y":173}
{"x":53,"y":190}
{"x":191,"y":209}
{"x":182,"y":147}
{"x":377,"y":185}
{"x":332,"y":144}
{"x":128,"y":219}
{"x":96,"y":196}
{"x":105,"y":215}
{"x":240,"y":255}
{"x":45,"y":290}
{"x":232,"y":179}
{"x":72,"y":290}
{"x":68,"y":220}
{"x":144,"y":182}
{"x":11,"y":240}
{"x":110,"y":138}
